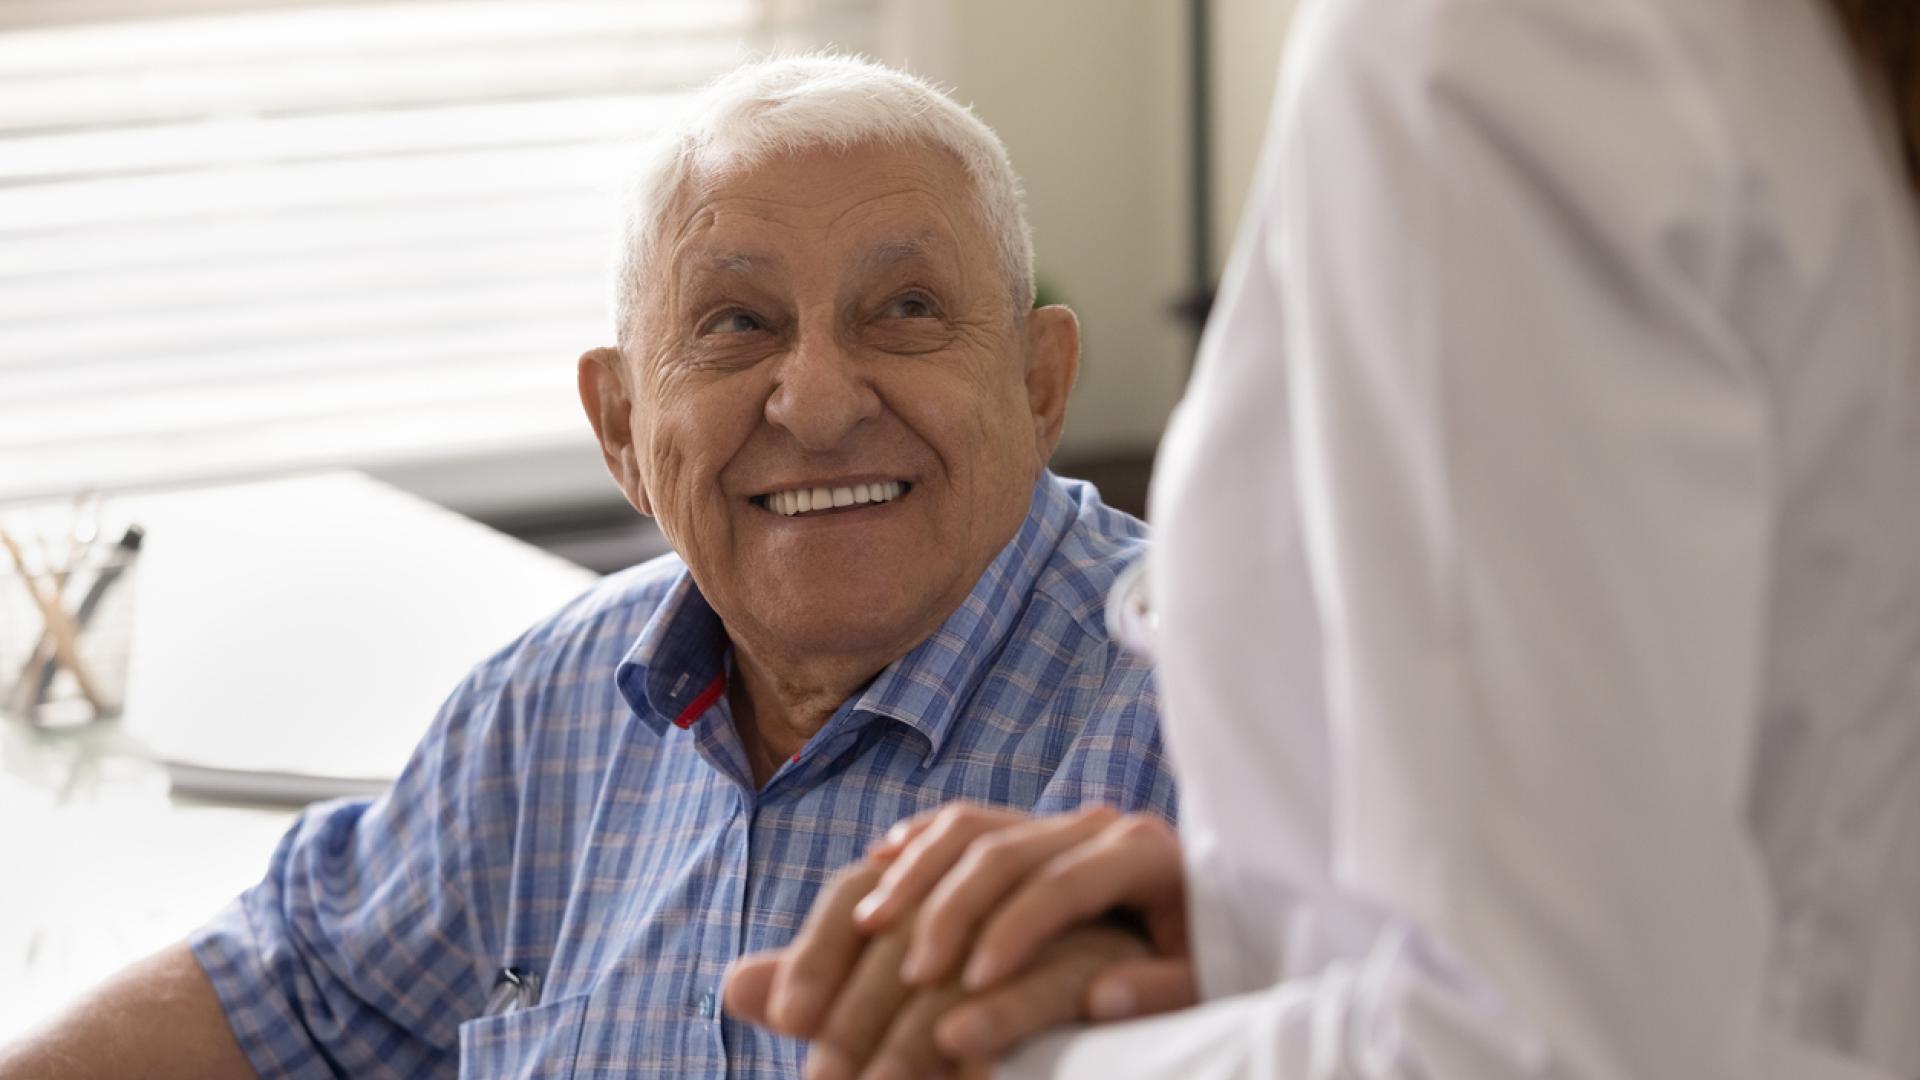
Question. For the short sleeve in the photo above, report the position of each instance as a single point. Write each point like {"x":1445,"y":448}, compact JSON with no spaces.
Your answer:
{"x":371,"y":935}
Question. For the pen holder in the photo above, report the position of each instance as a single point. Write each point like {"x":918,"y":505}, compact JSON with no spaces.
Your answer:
{"x":67,"y":666}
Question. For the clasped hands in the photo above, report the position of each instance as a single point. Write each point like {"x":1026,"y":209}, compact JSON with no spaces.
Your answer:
{"x":968,"y":929}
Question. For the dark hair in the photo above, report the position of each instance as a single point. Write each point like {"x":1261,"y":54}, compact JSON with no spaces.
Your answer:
{"x":1887,"y":35}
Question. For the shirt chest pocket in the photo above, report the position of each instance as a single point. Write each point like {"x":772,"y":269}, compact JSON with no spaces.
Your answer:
{"x":538,"y":1042}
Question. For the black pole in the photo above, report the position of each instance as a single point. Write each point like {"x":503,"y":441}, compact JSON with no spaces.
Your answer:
{"x":1198,"y":301}
{"x":1201,"y":175}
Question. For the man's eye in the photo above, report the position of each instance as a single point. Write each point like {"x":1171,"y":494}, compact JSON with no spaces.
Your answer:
{"x":910,"y":306}
{"x":734,"y":322}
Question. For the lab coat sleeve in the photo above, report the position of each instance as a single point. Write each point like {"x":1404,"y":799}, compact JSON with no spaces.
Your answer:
{"x":1535,"y":494}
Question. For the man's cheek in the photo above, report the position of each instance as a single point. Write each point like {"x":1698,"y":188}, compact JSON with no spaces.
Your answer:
{"x":665,"y":480}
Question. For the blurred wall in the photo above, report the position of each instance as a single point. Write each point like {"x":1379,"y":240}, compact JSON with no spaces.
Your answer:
{"x":1247,"y":38}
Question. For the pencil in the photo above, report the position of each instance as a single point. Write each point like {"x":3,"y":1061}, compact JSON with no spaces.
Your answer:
{"x":123,"y":553}
{"x":58,"y":625}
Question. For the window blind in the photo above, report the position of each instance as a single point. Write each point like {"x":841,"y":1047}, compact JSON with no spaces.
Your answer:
{"x":254,"y":236}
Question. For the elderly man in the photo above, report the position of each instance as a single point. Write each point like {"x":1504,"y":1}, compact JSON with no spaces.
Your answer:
{"x":831,"y":389}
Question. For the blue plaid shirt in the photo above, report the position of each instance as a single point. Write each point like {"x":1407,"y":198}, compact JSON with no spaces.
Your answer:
{"x":582,"y":811}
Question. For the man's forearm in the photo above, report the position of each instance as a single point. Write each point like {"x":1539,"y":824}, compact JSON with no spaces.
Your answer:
{"x":157,"y":1019}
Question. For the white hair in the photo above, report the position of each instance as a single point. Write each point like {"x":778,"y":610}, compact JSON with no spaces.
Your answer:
{"x":820,"y":101}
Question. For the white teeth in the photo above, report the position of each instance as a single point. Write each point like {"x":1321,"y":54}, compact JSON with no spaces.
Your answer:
{"x":804,"y":500}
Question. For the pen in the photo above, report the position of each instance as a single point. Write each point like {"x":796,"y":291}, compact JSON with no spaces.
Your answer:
{"x":514,"y":988}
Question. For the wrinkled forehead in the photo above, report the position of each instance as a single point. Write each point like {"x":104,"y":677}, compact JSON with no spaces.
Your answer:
{"x":883,"y":254}
{"x":867,"y":208}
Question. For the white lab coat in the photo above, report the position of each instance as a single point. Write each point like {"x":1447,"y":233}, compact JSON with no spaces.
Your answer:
{"x":1539,"y":563}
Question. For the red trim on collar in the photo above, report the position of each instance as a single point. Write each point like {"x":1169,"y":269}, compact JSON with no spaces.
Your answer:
{"x":702,"y":703}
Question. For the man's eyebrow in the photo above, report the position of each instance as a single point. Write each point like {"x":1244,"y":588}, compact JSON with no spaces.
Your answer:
{"x":890,"y":253}
{"x":736,"y":263}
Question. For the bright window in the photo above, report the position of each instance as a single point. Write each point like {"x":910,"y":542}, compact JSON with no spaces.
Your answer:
{"x":259,"y":236}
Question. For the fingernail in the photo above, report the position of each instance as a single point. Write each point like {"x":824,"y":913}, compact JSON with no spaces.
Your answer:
{"x":914,"y":969}
{"x":966,"y":1033}
{"x":826,"y":1063}
{"x":1111,"y":1002}
{"x":869,"y":906}
{"x":979,"y":972}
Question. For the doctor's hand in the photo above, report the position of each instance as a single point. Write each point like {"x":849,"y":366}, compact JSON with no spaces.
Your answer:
{"x":879,"y":1029}
{"x":876,"y":1026}
{"x":861,"y":901}
{"x":991,"y":911}
{"x":841,"y":988}
{"x":794,"y":986}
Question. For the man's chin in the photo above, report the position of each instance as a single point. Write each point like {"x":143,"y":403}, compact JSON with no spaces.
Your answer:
{"x":851,"y":624}
{"x":882,"y":642}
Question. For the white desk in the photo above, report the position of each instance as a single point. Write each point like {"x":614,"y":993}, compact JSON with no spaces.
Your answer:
{"x":101,"y":865}
{"x":307,"y":624}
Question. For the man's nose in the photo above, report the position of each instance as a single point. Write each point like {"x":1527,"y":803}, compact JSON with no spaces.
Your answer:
{"x":819,"y":395}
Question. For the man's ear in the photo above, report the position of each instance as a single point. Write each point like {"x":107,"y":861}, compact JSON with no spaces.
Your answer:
{"x":609,"y":405}
{"x":1053,"y":361}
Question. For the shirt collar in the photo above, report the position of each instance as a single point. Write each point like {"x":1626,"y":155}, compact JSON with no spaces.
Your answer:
{"x":678,"y":667}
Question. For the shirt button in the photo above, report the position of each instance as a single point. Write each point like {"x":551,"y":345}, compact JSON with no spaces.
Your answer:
{"x":706,"y":1005}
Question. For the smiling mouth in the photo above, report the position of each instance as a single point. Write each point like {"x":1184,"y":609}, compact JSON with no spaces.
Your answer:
{"x":798,"y":502}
